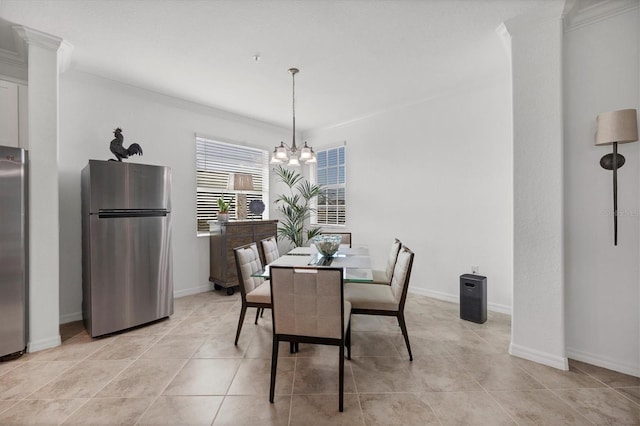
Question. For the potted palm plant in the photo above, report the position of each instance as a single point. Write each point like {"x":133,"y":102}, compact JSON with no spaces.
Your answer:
{"x":223,"y":210}
{"x":295,"y":207}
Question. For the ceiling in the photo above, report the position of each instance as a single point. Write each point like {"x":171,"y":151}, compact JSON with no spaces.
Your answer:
{"x":355,"y":58}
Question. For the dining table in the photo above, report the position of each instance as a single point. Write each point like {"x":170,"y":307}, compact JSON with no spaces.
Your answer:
{"x":354,"y":261}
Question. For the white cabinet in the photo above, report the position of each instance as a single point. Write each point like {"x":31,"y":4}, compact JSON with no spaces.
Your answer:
{"x":13,"y":114}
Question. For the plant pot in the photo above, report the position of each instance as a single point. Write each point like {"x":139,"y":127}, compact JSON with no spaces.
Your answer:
{"x":223,"y":217}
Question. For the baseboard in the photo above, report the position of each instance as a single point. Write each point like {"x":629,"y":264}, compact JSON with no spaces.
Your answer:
{"x":435,"y":294}
{"x":39,"y":345}
{"x":455,"y":298}
{"x":77,"y":316}
{"x":604,"y":362}
{"x":73,"y":316}
{"x":561,"y":363}
{"x":193,"y":290}
{"x":497,"y":307}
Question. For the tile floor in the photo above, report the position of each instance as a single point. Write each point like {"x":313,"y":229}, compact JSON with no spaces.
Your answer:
{"x":186,"y":370}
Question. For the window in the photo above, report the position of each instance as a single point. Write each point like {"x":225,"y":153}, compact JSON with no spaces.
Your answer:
{"x":215,"y":161}
{"x":331,"y":174}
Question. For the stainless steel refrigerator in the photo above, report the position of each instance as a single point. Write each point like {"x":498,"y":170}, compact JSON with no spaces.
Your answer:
{"x":14,"y":250}
{"x":126,"y":245}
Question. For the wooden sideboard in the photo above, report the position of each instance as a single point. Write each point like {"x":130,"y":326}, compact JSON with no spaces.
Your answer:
{"x":224,"y":238}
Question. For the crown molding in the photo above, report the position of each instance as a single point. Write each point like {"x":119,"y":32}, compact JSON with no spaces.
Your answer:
{"x":577,"y":17}
{"x":528,"y":22}
{"x":31,"y":37}
{"x":505,"y":37}
{"x":37,"y":38}
{"x":16,"y":56}
{"x":13,"y":58}
{"x":86,"y":76}
{"x":464,"y":86}
{"x":64,"y":55}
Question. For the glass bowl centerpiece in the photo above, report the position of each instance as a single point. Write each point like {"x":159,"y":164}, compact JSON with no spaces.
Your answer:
{"x":327,"y":244}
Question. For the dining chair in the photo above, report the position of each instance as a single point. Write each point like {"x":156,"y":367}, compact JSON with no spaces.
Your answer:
{"x":385,"y":300}
{"x":346,"y":237}
{"x":384,"y":277}
{"x":309,"y":307}
{"x":255,"y":292}
{"x":270,"y":249}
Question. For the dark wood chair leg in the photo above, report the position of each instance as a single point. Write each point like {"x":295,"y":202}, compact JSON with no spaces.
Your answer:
{"x":261,"y":312}
{"x":274,"y":368}
{"x":257,"y":315}
{"x":243,"y":311}
{"x":292,"y":348}
{"x":403,"y":327}
{"x":341,"y":385}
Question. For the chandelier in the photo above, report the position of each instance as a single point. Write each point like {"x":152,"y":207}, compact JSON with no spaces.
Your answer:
{"x":292,"y":154}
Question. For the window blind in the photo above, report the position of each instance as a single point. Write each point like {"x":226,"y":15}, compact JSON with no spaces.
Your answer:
{"x":331,"y":174}
{"x":215,"y":162}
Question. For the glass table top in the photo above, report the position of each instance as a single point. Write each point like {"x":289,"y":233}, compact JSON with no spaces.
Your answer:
{"x":355,"y":262}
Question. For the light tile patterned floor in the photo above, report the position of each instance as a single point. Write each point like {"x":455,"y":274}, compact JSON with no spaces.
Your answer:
{"x":186,"y":370}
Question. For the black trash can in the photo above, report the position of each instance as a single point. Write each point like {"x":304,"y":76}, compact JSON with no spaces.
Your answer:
{"x":473,"y":298}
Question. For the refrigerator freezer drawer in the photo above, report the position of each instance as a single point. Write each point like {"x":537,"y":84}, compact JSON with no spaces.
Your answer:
{"x":131,"y":276}
{"x":115,"y":185}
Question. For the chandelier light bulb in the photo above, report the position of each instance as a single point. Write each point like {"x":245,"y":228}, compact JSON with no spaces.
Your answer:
{"x":281,"y":152}
{"x":305,"y":153}
{"x":293,"y":161}
{"x":274,"y":158}
{"x":313,"y":157}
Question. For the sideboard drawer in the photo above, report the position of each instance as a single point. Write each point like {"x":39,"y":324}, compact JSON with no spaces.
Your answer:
{"x":239,"y":230}
{"x":266,"y":229}
{"x":238,"y":241}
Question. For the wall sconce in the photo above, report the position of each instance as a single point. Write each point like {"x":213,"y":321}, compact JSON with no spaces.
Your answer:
{"x":613,"y":128}
{"x":241,"y":182}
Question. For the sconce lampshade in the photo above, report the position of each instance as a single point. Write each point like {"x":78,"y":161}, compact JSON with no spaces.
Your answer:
{"x":617,"y":126}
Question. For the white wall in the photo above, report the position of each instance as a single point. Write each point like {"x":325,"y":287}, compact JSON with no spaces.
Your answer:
{"x":437,"y":175}
{"x":90,"y":108}
{"x":602,"y":280}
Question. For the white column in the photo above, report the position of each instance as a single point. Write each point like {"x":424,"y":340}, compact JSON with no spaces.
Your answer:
{"x":538,"y":323}
{"x":43,"y":72}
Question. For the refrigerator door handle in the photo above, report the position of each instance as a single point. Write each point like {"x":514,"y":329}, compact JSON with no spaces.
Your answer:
{"x":116,"y":213}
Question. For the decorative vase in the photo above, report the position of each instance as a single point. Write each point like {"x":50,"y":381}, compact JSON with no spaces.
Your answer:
{"x":327,"y":244}
{"x":223,"y":217}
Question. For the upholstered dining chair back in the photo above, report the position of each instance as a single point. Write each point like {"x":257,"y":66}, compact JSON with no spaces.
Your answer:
{"x":385,"y":276}
{"x":248,"y":262}
{"x":308,"y":306}
{"x":308,"y":302}
{"x":270,"y":249}
{"x":401,"y":275}
{"x":255,"y":291}
{"x":393,"y":257}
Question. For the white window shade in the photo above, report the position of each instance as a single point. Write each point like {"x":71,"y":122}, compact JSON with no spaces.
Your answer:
{"x":330,"y":173}
{"x":215,"y":162}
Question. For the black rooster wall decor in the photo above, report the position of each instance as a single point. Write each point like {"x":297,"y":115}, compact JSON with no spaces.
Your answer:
{"x":119,"y":150}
